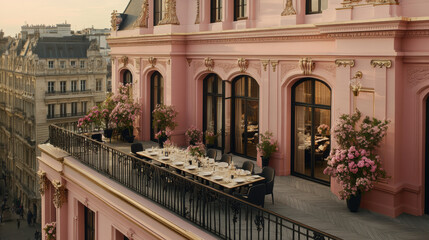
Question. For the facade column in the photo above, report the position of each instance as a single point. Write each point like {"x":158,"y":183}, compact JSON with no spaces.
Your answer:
{"x":380,"y":87}
{"x":60,"y":202}
{"x":264,"y":100}
{"x":204,"y":15}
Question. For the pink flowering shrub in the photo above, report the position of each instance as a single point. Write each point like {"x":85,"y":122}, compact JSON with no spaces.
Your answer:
{"x":164,"y":117}
{"x":197,"y":150}
{"x":94,"y":116}
{"x":163,"y":134}
{"x":267,"y":146}
{"x":354,"y":164}
{"x":50,"y":231}
{"x":193,"y":135}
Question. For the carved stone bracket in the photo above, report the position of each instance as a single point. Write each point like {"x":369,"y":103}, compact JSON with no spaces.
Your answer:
{"x":306,"y":65}
{"x":197,"y":18}
{"x":274,"y":64}
{"x":345,"y":62}
{"x":144,"y":15}
{"x":137,"y":63}
{"x":381,"y":63}
{"x":289,"y":10}
{"x":243,"y":64}
{"x":209,"y":63}
{"x":124,"y":60}
{"x":189,"y":60}
{"x":60,"y":194}
{"x":265,"y":64}
{"x":43,"y":182}
{"x":170,"y":16}
{"x":152,"y":61}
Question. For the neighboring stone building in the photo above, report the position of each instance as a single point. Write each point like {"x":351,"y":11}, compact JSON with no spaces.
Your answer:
{"x":59,"y":30}
{"x":43,"y":80}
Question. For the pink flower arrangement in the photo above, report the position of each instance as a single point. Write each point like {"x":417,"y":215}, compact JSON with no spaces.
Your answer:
{"x":211,"y":136}
{"x":323,"y":129}
{"x":267,"y":145}
{"x":355,"y":165}
{"x":163,"y":134}
{"x":50,"y":231}
{"x":197,"y":150}
{"x":193,"y":135}
{"x":164,"y":117}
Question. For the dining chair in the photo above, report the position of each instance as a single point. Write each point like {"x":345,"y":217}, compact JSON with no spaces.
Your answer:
{"x":249,"y":166}
{"x":226,"y":158}
{"x":269,"y":174}
{"x":212,"y":153}
{"x":255,"y":195}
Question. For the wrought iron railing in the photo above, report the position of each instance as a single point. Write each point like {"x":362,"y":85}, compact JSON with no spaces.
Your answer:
{"x":215,"y":211}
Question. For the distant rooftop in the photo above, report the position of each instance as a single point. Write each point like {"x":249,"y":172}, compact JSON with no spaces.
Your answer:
{"x":64,"y":47}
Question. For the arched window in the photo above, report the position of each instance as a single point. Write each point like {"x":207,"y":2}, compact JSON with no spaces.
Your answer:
{"x":212,"y":106}
{"x":156,"y":97}
{"x":245,"y":116}
{"x":127,"y":77}
{"x":311,"y":113}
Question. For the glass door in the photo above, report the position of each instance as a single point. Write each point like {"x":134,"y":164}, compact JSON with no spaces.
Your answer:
{"x":157,"y":97}
{"x":213,"y":107}
{"x":311,"y":122}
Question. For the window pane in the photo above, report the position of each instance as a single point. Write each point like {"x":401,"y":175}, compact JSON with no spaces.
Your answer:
{"x":322,"y":144}
{"x":209,"y":114}
{"x":252,"y":132}
{"x":253,"y":88}
{"x":219,"y":85}
{"x":240,"y":87}
{"x":210,"y":84}
{"x":314,"y":5}
{"x":302,"y":156}
{"x":303,"y":92}
{"x":219,"y":120}
{"x":324,"y":4}
{"x":323,"y":94}
{"x":239,"y":125}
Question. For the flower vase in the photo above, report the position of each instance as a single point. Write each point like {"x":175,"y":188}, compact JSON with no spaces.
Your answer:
{"x":265,"y":161}
{"x":108,"y":132}
{"x":161,"y":141}
{"x":353,"y":202}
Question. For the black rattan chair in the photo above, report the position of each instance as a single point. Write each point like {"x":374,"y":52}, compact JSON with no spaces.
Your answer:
{"x":226,"y":158}
{"x":97,"y":137}
{"x":248,"y":165}
{"x":269,"y":174}
{"x":212,"y":153}
{"x":255,"y":195}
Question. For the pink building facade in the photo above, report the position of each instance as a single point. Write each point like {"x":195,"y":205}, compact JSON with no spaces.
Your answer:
{"x":244,"y":67}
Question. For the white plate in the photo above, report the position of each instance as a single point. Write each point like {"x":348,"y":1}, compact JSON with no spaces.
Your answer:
{"x":206,"y":173}
{"x":165,"y":158}
{"x":217,"y":178}
{"x":255,"y":176}
{"x":239,"y":180}
{"x":223,"y":164}
{"x":149,"y":150}
{"x":178,"y":163}
{"x":153,"y":153}
{"x":191,"y":167}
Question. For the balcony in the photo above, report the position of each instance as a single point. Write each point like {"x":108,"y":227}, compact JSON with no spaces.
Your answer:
{"x":213,"y":210}
{"x":68,"y":94}
{"x":67,"y":115}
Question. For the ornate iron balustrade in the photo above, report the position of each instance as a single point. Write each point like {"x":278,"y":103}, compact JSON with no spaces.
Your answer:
{"x":213,"y":210}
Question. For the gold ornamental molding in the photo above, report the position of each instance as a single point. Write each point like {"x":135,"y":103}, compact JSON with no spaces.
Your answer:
{"x":209,"y":63}
{"x":381,"y":63}
{"x":274,"y":64}
{"x":197,"y":18}
{"x":124,"y":60}
{"x":170,"y":16}
{"x":60,"y":194}
{"x":306,"y":65}
{"x":354,"y":3}
{"x":345,"y":62}
{"x":144,"y":15}
{"x":243,"y":64}
{"x":116,"y":20}
{"x":265,"y":64}
{"x":152,"y":61}
{"x":43,"y":182}
{"x":289,"y":10}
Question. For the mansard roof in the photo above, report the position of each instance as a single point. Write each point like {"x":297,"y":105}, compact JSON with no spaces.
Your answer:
{"x":64,"y":47}
{"x":132,"y":12}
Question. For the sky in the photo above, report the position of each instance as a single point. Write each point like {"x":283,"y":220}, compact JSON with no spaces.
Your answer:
{"x":79,"y":13}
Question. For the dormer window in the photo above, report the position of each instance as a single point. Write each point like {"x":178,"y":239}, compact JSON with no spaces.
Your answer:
{"x":50,"y":64}
{"x":158,"y":8}
{"x":73,"y":64}
{"x":240,"y":9}
{"x":315,"y":6}
{"x":215,"y":11}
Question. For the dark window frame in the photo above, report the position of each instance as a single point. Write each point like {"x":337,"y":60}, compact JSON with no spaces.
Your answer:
{"x":127,"y":77}
{"x":157,"y":12}
{"x":240,"y":10}
{"x":215,"y":11}
{"x":313,"y":106}
{"x":214,"y":95}
{"x":159,"y":99}
{"x":89,"y":221}
{"x":308,"y":7}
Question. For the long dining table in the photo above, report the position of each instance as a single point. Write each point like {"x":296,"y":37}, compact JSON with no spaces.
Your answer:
{"x":217,"y":173}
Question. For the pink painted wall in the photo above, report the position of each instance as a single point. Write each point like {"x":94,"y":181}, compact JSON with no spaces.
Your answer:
{"x":398,"y":33}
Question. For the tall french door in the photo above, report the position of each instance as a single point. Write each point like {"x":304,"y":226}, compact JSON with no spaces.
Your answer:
{"x":311,"y":110}
{"x":213,"y":107}
{"x":427,"y":160}
{"x":156,"y":97}
{"x":245,"y":116}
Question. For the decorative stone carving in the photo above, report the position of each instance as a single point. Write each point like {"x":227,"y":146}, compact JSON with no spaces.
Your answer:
{"x":124,"y":60}
{"x":60,"y":194}
{"x":381,"y":63}
{"x":345,"y":62}
{"x":144,"y":15}
{"x":383,"y":1}
{"x":189,"y":60}
{"x":93,"y":45}
{"x":289,"y":10}
{"x":115,"y":20}
{"x":197,"y":18}
{"x":287,"y":67}
{"x":43,"y":184}
{"x":265,"y":64}
{"x":351,"y":3}
{"x":209,"y":63}
{"x":130,"y":234}
{"x":152,"y":61}
{"x":170,"y":16}
{"x":274,"y":64}
{"x":137,"y":64}
{"x":306,"y":65}
{"x":243,"y":64}
{"x":417,"y":74}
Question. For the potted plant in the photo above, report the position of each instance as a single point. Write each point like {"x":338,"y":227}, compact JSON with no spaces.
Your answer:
{"x":106,"y":109}
{"x":197,"y":150}
{"x":210,"y":137}
{"x":93,"y":118}
{"x":193,"y":136}
{"x":354,"y":164}
{"x":164,"y":119}
{"x":50,"y":231}
{"x":163,"y":136}
{"x":266,"y":147}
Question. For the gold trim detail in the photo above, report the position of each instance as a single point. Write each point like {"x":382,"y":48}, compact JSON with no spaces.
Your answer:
{"x":209,"y":63}
{"x":144,"y":15}
{"x":152,"y":61}
{"x":243,"y":64}
{"x":43,"y":182}
{"x":197,"y":18}
{"x":381,"y":63}
{"x":60,"y":194}
{"x":170,"y":16}
{"x":289,"y":10}
{"x":345,"y":62}
{"x":265,"y":64}
{"x":306,"y":65}
{"x":274,"y":64}
{"x":116,"y":20}
{"x":124,"y":60}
